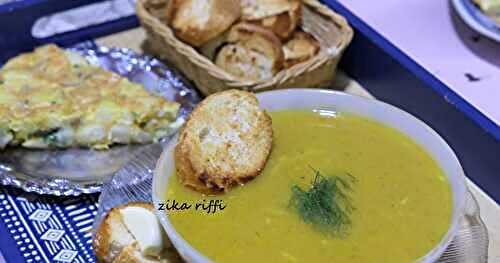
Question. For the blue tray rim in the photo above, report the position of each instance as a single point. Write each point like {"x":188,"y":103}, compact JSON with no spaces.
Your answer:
{"x":437,"y":85}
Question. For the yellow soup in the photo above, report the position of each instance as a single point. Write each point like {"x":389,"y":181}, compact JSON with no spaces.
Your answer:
{"x":401,"y":197}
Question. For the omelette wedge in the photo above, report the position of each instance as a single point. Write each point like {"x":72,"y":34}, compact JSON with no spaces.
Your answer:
{"x":52,"y":98}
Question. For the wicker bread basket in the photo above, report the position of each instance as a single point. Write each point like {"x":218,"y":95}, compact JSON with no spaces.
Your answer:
{"x":329,"y":28}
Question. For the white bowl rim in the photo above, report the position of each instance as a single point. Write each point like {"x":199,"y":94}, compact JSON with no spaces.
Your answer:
{"x":431,"y":256}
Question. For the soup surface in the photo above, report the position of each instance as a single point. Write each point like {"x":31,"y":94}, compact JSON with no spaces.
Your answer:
{"x":401,"y":197}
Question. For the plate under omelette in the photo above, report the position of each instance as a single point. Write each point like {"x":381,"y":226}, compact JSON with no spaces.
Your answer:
{"x":52,"y":98}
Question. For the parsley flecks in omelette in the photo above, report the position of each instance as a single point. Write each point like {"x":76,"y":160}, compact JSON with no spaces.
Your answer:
{"x":326,"y":205}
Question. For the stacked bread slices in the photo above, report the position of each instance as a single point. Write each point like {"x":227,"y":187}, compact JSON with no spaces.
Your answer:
{"x":250,"y":39}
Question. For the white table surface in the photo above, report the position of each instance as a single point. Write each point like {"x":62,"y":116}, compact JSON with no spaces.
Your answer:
{"x":432,"y":34}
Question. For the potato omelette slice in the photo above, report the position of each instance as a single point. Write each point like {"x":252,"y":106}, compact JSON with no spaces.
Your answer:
{"x":52,"y":98}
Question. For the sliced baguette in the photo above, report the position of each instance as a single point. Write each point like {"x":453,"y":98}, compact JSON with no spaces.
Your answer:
{"x":214,"y":45}
{"x":185,"y":171}
{"x":225,"y":142}
{"x":113,"y":242}
{"x":198,"y":21}
{"x":252,"y":53}
{"x":279,"y":16}
{"x":301,"y":47}
{"x":258,"y":9}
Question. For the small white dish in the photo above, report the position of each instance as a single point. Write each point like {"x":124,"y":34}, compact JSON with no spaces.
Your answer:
{"x":476,"y":20}
{"x":341,"y":102}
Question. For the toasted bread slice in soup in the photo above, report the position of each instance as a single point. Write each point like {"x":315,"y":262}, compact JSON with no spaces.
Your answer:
{"x":115,"y":240}
{"x":197,"y":21}
{"x":279,"y":16}
{"x":225,"y":142}
{"x":252,"y":53}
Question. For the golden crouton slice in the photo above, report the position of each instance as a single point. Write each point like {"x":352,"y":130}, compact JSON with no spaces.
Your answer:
{"x":226,"y":141}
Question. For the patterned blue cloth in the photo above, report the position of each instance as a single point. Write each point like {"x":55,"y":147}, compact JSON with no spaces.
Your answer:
{"x":38,"y":228}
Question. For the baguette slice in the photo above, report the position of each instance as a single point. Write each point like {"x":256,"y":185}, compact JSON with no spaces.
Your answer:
{"x":114,"y":242}
{"x":252,"y":53}
{"x":198,"y":21}
{"x":214,"y":45}
{"x":186,"y":172}
{"x":301,"y":47}
{"x":225,"y":142}
{"x":279,"y":16}
{"x":111,"y":237}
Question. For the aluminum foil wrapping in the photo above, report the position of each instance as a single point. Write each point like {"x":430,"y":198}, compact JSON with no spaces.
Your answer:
{"x":78,"y":170}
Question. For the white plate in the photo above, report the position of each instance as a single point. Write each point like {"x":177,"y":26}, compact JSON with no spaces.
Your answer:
{"x":475,"y":19}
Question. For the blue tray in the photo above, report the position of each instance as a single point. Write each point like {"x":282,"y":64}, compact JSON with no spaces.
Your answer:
{"x":391,"y":76}
{"x":18,"y":17}
{"x":378,"y":65}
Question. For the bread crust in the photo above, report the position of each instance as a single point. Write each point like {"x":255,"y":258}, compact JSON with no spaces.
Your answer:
{"x":102,"y":241}
{"x":246,"y":32}
{"x":104,"y":249}
{"x":209,"y":155}
{"x":279,"y":16}
{"x":198,"y":21}
{"x":127,"y":255}
{"x":300,"y":48}
{"x":108,"y":250}
{"x":186,"y":173}
{"x":252,"y":52}
{"x":258,"y":9}
{"x":213,"y":46}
